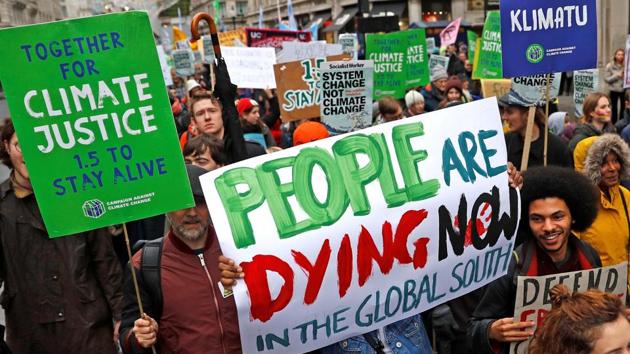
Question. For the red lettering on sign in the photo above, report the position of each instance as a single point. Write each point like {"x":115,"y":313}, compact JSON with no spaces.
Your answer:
{"x":263,"y":307}
{"x":314,"y":272}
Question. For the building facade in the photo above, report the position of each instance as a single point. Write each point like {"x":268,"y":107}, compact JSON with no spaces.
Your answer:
{"x":25,"y":12}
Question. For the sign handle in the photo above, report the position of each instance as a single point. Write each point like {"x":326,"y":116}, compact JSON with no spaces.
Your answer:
{"x":546,"y":131}
{"x":528,"y":138}
{"x":194,"y":30}
{"x":133,"y":277}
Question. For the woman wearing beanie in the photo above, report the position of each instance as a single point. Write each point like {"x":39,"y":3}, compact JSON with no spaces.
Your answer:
{"x":414,"y":101}
{"x":254,"y":129}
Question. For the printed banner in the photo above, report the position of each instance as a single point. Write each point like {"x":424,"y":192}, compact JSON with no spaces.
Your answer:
{"x":184,"y":62}
{"x":531,"y":90}
{"x":626,"y":82}
{"x":261,"y":37}
{"x":496,"y":88}
{"x":541,"y":37}
{"x":584,"y":82}
{"x":250,"y":67}
{"x":234,"y":38}
{"x":449,"y":33}
{"x":488,"y":56}
{"x":400,"y":61}
{"x":346,"y":95}
{"x":299,"y":93}
{"x":293,"y":51}
{"x":472,"y":44}
{"x":360,"y":230}
{"x":88,"y":125}
{"x":533,"y":300}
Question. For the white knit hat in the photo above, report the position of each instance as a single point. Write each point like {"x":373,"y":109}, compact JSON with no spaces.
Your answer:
{"x":412,"y":97}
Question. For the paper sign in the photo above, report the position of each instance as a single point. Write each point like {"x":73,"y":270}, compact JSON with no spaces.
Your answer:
{"x":584,"y":82}
{"x":207,"y":50}
{"x":357,"y":231}
{"x":89,"y":118}
{"x":235,"y":38}
{"x":166,"y":71}
{"x":184,"y":62}
{"x":542,"y":37}
{"x":496,"y":88}
{"x":400,"y":61}
{"x":488,"y":55}
{"x":533,"y":300}
{"x":250,"y":67}
{"x":435,"y":60}
{"x":349,"y":44}
{"x":261,"y":37}
{"x":295,"y":50}
{"x":431,"y":45}
{"x":531,"y":90}
{"x":346,"y":95}
{"x":626,"y":82}
{"x":449,"y":33}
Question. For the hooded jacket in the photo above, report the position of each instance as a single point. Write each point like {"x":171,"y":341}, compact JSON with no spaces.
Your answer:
{"x":609,"y":232}
{"x":584,"y":131}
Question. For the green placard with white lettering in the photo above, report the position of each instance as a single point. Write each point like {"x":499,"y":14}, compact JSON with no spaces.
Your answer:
{"x":93,"y":119}
{"x":488,"y":55}
{"x":400,"y":61}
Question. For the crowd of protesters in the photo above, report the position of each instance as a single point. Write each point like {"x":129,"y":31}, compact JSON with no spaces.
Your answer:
{"x":574,"y":217}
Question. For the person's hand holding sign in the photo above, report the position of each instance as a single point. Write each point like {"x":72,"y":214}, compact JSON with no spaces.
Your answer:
{"x":230,"y":272}
{"x":506,"y":330}
{"x":145,"y":329}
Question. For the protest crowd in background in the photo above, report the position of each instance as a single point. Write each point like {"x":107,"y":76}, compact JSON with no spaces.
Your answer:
{"x":76,"y":294}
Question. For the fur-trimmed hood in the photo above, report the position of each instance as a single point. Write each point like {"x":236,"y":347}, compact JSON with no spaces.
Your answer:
{"x":599,"y":150}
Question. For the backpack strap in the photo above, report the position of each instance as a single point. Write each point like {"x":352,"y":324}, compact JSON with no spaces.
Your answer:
{"x":150,"y":273}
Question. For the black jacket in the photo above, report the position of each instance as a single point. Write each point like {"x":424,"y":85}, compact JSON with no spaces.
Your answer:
{"x":498,"y":300}
{"x":432,"y":99}
{"x":558,"y":153}
{"x":584,"y":131}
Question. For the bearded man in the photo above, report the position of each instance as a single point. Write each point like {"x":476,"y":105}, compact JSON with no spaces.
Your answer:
{"x":185,"y":310}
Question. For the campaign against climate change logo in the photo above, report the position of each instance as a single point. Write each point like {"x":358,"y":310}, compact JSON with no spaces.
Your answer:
{"x":348,"y":234}
{"x":93,"y":120}
{"x":539,"y":36}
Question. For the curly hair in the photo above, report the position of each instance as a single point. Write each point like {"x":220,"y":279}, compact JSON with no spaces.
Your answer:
{"x":579,"y":194}
{"x":572,"y":326}
{"x":5,"y":135}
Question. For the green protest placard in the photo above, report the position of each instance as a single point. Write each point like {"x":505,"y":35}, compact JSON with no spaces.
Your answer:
{"x":488,"y":58}
{"x":400,"y":61}
{"x":472,"y":44}
{"x":94,"y":122}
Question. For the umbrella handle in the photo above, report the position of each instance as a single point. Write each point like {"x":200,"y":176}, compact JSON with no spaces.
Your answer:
{"x":194,"y":30}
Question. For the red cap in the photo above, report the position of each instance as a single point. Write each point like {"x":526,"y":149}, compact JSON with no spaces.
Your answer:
{"x":309,"y":131}
{"x":245,"y":104}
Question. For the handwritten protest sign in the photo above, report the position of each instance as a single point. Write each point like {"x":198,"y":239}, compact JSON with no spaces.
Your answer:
{"x":261,"y":37}
{"x":359,"y":230}
{"x":530,"y":90}
{"x":449,"y":33}
{"x":488,"y":56}
{"x":298,"y":85}
{"x":184,"y":62}
{"x":346,"y":95}
{"x":400,"y":61}
{"x":540,"y":37}
{"x":532,"y":293}
{"x":166,"y":71}
{"x":626,"y":81}
{"x":584,"y":82}
{"x":250,"y":67}
{"x":496,"y":88}
{"x":88,"y":126}
{"x":234,"y":38}
{"x":293,"y":51}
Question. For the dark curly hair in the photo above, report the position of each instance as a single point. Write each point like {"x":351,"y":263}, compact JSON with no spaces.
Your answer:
{"x":575,"y":189}
{"x":5,"y":135}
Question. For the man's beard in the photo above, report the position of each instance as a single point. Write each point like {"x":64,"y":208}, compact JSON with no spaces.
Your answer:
{"x":190,"y":234}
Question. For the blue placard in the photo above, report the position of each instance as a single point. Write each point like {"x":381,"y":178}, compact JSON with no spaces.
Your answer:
{"x":546,"y":36}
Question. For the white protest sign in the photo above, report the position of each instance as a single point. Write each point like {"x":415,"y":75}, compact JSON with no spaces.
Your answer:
{"x":198,"y":56}
{"x":349,"y":44}
{"x":296,"y":50}
{"x":532,"y":293}
{"x":626,"y":81}
{"x":344,"y":235}
{"x":438,"y":60}
{"x":166,"y":71}
{"x":431,"y":48}
{"x":207,"y":50}
{"x":184,"y":62}
{"x":584,"y":82}
{"x":346,"y":95}
{"x":530,"y":90}
{"x":250,"y":67}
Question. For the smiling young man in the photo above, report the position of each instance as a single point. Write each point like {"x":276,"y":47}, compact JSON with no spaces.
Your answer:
{"x":556,"y":202}
{"x":606,"y":164}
